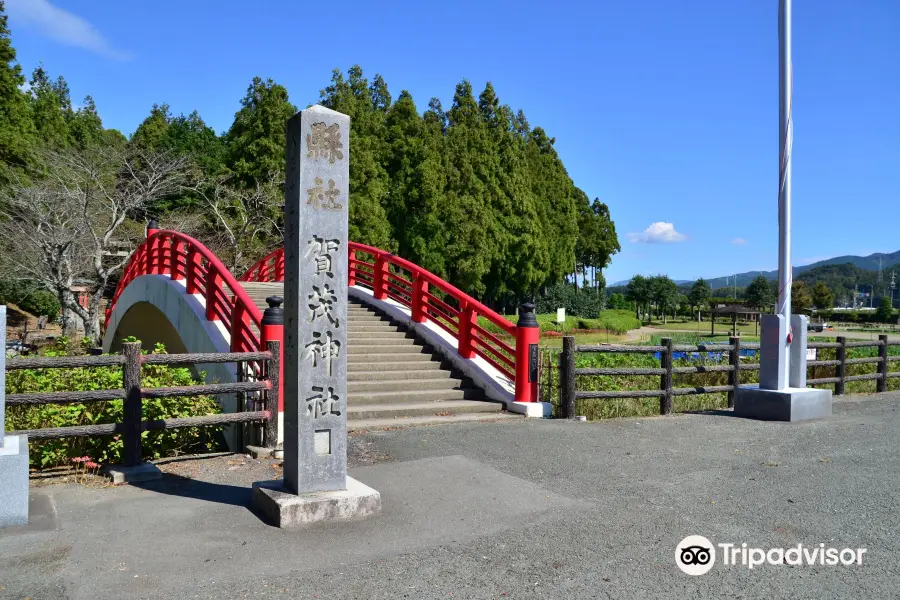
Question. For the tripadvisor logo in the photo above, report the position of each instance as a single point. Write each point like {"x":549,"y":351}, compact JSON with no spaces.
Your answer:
{"x":696,"y":555}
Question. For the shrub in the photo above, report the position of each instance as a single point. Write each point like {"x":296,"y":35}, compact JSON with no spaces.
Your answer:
{"x":107,"y":449}
{"x":585,"y":302}
{"x":29,"y":298}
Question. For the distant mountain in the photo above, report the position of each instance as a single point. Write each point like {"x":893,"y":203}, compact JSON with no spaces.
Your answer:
{"x":868,"y":263}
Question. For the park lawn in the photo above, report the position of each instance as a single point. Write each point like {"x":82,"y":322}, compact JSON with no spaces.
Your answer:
{"x":703,"y":328}
{"x":581,"y":337}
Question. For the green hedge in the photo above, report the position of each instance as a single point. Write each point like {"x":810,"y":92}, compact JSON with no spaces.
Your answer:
{"x":616,"y":321}
{"x":107,"y":449}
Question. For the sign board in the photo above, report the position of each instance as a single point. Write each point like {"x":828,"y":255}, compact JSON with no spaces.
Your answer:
{"x":810,"y":354}
{"x":560,"y":315}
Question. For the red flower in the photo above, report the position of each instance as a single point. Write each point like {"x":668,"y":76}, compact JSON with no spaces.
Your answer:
{"x":91,"y":465}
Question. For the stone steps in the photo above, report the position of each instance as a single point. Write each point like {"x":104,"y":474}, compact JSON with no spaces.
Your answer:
{"x":392,"y":422}
{"x":394,"y":380}
{"x":431,"y":370}
{"x":402,"y":385}
{"x":421,"y":409}
{"x":420,"y":366}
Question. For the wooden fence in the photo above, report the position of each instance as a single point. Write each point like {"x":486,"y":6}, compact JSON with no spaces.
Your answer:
{"x":132,"y":394}
{"x":568,"y":373}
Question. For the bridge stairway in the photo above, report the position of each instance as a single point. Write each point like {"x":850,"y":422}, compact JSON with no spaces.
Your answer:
{"x":394,"y":379}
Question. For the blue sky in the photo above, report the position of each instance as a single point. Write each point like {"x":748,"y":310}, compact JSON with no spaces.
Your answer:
{"x":667,"y":111}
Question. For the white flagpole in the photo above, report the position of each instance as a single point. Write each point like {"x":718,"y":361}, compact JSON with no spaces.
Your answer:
{"x":785,"y":134}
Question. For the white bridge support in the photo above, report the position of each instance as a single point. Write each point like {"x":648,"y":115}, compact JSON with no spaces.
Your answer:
{"x":156,"y":308}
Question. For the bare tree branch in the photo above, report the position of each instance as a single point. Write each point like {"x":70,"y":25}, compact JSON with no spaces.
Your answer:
{"x":67,"y":227}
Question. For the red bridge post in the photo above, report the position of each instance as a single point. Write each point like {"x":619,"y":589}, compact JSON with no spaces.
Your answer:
{"x":152,"y":228}
{"x":381,"y":278}
{"x":351,"y":264}
{"x":272,"y":330}
{"x":419,"y":301}
{"x":528,"y":337}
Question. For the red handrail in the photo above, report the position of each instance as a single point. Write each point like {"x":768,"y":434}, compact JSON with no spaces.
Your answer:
{"x":471,"y":339}
{"x":428,"y":296}
{"x":182,"y":257}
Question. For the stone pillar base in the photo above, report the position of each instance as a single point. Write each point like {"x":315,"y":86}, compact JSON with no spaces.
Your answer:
{"x":789,"y":404}
{"x":120,"y":474}
{"x":286,"y":510}
{"x":13,"y":480}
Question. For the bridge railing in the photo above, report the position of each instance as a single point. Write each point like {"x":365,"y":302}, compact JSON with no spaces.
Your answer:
{"x":267,"y":387}
{"x":181,"y":257}
{"x":512,"y":351}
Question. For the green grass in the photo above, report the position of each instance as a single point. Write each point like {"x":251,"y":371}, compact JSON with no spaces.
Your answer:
{"x":721,"y":326}
{"x":614,"y":321}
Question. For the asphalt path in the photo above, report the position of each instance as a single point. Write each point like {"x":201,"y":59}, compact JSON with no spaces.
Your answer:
{"x":511,"y":509}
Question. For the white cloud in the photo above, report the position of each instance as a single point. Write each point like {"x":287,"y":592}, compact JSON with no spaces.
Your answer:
{"x":659,"y":232}
{"x":739,"y":241}
{"x":63,"y":26}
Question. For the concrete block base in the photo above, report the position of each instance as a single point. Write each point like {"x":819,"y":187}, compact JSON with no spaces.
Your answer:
{"x":13,"y":480}
{"x":142,"y":472}
{"x":789,"y":404}
{"x":286,"y":510}
{"x":538,"y":410}
{"x":261,"y":452}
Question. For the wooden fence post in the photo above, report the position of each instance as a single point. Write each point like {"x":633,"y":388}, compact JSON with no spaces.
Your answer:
{"x":841,"y":370}
{"x":131,"y":409}
{"x":881,"y":382}
{"x":665,"y":383}
{"x":734,"y":376}
{"x":273,"y":366}
{"x":567,"y":379}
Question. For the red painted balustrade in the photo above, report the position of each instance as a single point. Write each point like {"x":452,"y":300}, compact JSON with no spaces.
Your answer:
{"x":429,"y":298}
{"x":181,"y":257}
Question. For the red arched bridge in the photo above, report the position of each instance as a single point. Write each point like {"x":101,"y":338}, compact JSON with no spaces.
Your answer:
{"x":419,"y":349}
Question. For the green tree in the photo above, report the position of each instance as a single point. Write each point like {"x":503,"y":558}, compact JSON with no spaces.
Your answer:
{"x":639,"y":292}
{"x":51,"y":108}
{"x":801,"y":300}
{"x":664,"y":292}
{"x":885,"y":312}
{"x":369,"y":181}
{"x":597,"y":239}
{"x":760,"y":294}
{"x":699,"y":295}
{"x":822,"y":296}
{"x":16,"y":126}
{"x":152,"y":131}
{"x":256,"y":140}
{"x":85,"y":127}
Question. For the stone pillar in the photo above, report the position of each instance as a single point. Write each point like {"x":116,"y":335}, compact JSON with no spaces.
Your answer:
{"x":317,"y":180}
{"x":799,"y":328}
{"x":13,"y":455}
{"x":775,"y":399}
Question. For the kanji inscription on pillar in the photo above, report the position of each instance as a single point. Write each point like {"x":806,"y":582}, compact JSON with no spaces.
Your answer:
{"x":316,"y":193}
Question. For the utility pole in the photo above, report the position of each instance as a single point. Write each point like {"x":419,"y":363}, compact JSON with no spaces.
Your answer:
{"x":893,"y":284}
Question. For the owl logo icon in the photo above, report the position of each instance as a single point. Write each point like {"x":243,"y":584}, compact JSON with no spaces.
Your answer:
{"x":695,"y":555}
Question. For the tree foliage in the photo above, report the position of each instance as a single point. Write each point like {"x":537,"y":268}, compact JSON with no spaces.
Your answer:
{"x":472,"y":192}
{"x":885,"y":312}
{"x":801,"y":300}
{"x":699,"y":294}
{"x":822,"y":296}
{"x":761,"y":294}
